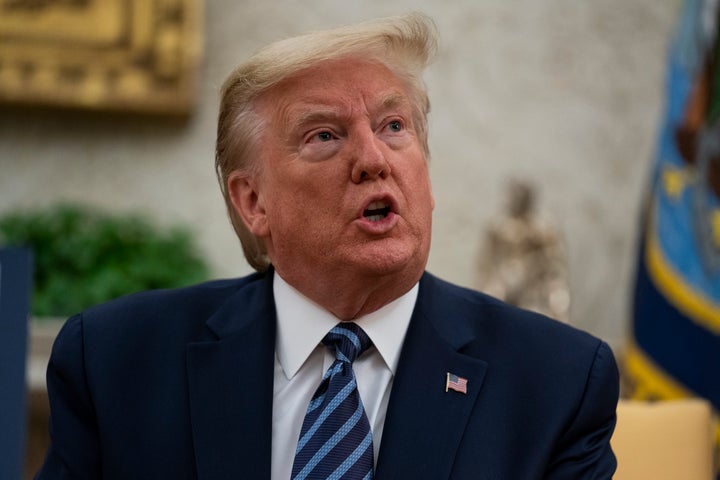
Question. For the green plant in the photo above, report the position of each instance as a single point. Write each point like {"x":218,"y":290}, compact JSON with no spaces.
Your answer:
{"x":85,"y":256}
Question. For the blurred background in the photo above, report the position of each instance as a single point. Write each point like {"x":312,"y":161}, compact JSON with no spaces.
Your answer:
{"x":562,"y":96}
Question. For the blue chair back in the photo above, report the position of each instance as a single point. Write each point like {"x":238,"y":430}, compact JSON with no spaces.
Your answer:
{"x":15,"y":286}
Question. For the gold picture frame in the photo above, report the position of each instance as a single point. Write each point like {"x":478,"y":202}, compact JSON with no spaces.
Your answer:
{"x":124,"y":55}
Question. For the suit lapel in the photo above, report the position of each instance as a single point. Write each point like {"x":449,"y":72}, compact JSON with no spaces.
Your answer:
{"x":230,"y":382}
{"x":231,"y":387}
{"x":424,"y":423}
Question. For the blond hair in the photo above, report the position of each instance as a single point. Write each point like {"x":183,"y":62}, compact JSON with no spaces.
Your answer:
{"x":404,"y":44}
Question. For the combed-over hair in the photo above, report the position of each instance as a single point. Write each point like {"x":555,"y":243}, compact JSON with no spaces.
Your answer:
{"x":404,"y":44}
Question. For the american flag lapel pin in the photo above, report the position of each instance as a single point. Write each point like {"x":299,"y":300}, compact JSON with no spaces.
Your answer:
{"x":453,"y":382}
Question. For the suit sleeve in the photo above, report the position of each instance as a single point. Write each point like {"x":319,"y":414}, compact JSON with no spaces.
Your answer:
{"x":74,"y":451}
{"x":584,"y":448}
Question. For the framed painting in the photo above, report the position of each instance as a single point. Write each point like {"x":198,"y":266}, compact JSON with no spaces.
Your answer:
{"x":126,"y":55}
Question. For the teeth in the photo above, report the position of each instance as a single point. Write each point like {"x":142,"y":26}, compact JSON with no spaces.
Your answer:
{"x":377,"y":205}
{"x":376,"y":211}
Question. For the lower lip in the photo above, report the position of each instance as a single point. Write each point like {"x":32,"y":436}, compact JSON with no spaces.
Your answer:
{"x":378,"y":227}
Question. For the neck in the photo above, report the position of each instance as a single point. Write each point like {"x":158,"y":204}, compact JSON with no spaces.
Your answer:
{"x":350,"y":297}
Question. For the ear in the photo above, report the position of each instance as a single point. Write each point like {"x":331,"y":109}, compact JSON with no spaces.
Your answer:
{"x":248,"y":202}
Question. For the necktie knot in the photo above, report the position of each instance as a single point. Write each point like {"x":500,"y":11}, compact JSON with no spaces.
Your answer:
{"x":348,"y":340}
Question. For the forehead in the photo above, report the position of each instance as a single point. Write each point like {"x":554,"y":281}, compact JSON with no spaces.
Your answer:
{"x":336,"y":88}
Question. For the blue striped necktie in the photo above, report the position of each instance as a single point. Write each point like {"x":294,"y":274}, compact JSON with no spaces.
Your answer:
{"x":335,"y":439}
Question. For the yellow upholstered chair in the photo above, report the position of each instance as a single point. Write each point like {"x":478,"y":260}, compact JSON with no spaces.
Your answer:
{"x":664,"y":440}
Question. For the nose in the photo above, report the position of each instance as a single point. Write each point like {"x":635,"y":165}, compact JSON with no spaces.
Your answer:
{"x":369,"y":161}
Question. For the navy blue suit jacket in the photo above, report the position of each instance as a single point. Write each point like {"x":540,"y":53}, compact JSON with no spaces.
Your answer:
{"x":179,"y":384}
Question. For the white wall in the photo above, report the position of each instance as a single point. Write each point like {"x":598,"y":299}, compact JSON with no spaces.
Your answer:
{"x":563,"y":92}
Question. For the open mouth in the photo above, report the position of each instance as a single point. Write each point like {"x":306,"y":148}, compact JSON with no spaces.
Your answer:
{"x":377,"y":211}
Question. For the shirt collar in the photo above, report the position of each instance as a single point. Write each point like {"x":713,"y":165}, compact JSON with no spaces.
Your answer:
{"x":302,"y":324}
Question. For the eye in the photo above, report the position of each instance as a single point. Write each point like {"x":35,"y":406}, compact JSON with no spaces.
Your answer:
{"x":321,"y":136}
{"x":395,"y":126}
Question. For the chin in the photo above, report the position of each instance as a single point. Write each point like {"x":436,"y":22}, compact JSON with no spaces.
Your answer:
{"x":391,"y":261}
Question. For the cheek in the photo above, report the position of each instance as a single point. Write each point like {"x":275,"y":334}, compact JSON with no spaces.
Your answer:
{"x":422,"y":195}
{"x":303,"y":203}
{"x":420,"y":182}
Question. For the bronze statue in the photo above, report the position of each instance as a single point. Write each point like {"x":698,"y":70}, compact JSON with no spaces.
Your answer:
{"x":523,"y":261}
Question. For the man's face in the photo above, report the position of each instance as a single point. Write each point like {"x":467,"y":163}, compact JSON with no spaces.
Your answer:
{"x":344,"y":184}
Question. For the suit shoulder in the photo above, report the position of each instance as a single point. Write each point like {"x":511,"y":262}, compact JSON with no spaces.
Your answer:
{"x":498,"y":323}
{"x":180,"y":305}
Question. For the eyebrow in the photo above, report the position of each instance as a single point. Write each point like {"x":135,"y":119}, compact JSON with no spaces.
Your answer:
{"x":394,"y":100}
{"x":316,"y":116}
{"x":322,"y":113}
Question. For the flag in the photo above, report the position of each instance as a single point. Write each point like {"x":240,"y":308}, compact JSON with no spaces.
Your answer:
{"x":453,"y":382}
{"x":674,"y":351}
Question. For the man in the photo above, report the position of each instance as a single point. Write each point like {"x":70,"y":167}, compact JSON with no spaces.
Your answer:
{"x":322,"y":158}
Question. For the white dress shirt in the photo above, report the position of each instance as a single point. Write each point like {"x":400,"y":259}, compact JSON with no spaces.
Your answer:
{"x":301,"y":360}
